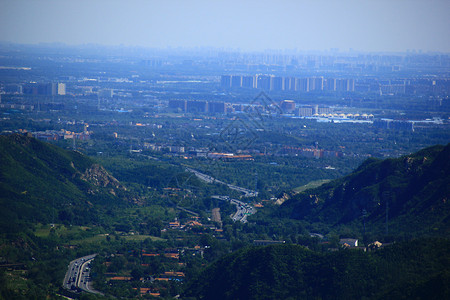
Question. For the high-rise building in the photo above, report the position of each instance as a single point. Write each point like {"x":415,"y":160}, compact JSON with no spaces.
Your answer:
{"x":316,"y":84}
{"x":48,"y":89}
{"x":302,"y":84}
{"x":331,"y":84}
{"x":61,"y":88}
{"x":289,"y":84}
{"x":394,"y":124}
{"x":177,"y":105}
{"x":351,"y":85}
{"x":263,"y":82}
{"x":304,"y":111}
{"x":30,"y":89}
{"x":225,"y":81}
{"x":324,"y":110}
{"x":248,"y":81}
{"x":345,"y":85}
{"x":341,"y":85}
{"x":236,"y":81}
{"x":13,"y":89}
{"x":216,"y":107}
{"x":199,"y":106}
{"x":276,"y":83}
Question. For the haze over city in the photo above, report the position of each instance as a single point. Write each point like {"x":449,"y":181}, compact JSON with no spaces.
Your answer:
{"x":390,"y":26}
{"x":224,"y":150}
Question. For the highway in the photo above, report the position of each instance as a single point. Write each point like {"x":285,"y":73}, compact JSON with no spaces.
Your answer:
{"x":243,"y":210}
{"x":78,"y":275}
{"x":210,"y":179}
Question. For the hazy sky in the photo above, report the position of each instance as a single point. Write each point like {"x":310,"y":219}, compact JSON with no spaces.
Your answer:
{"x":367,"y":25}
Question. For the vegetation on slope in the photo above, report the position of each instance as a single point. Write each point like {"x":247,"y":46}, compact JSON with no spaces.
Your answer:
{"x":416,"y":268}
{"x":412,"y":190}
{"x":40,"y":182}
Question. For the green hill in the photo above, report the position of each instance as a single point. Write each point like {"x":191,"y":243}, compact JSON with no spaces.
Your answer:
{"x":414,"y":192}
{"x":40,"y":182}
{"x":416,"y":269}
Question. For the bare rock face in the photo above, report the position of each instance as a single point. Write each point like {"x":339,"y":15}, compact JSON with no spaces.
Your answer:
{"x":283,"y":199}
{"x":98,"y":176}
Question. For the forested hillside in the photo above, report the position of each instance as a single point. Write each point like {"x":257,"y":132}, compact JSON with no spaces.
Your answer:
{"x":59,"y":204}
{"x":401,"y":271}
{"x":403,"y":196}
{"x":40,"y":182}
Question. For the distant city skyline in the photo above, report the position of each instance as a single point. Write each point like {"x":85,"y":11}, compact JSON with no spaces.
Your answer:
{"x":364,"y":25}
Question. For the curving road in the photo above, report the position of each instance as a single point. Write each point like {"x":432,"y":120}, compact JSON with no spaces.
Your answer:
{"x":243,"y":210}
{"x":78,"y":275}
{"x":210,"y":179}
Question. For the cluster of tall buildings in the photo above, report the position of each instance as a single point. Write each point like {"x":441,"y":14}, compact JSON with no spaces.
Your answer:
{"x":45,"y":89}
{"x":213,"y":107}
{"x":197,"y":106}
{"x":278,"y":83}
{"x":398,"y":125}
{"x":289,"y":107}
{"x":413,"y":86}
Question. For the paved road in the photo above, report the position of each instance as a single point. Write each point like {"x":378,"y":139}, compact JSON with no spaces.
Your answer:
{"x":78,"y":275}
{"x":243,"y":210}
{"x":210,"y":179}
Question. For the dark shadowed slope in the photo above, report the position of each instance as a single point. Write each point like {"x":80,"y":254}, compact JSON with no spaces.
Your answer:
{"x":416,"y":269}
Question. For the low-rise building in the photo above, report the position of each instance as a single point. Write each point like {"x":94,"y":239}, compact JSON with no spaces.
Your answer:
{"x":348,"y":242}
{"x":267,"y":242}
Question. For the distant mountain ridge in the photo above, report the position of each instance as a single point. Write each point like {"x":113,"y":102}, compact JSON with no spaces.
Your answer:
{"x":44,"y":183}
{"x":413,"y":190}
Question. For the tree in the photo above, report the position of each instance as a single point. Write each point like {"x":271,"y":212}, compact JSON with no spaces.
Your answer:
{"x":137,"y":273}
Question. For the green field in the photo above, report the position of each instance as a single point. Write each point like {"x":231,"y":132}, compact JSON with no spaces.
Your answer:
{"x":103,"y":237}
{"x":43,"y":231}
{"x":311,"y":185}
